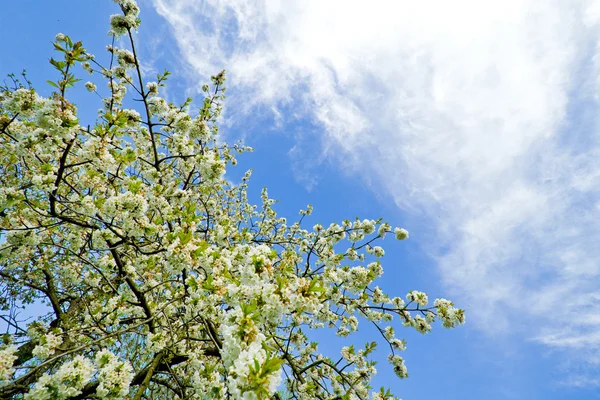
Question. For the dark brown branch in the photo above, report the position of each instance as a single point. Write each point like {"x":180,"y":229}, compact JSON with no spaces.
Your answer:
{"x":136,"y":291}
{"x":149,"y":372}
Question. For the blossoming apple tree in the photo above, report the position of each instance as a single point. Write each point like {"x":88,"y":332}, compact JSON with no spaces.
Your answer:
{"x":161,"y":281}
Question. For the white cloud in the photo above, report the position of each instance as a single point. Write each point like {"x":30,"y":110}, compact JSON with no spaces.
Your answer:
{"x":483,"y":113}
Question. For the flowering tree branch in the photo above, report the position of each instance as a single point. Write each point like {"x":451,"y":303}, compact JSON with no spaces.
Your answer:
{"x":157,"y":276}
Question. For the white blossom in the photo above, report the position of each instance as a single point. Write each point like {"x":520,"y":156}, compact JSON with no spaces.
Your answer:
{"x":90,"y":86}
{"x":7,"y":357}
{"x":401,"y":234}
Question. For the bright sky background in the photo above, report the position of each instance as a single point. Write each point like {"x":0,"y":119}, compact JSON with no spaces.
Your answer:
{"x":473,"y":124}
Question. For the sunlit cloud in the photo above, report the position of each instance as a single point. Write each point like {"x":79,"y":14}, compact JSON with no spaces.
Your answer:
{"x":483,"y":114}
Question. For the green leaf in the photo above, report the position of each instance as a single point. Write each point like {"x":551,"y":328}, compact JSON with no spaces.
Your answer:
{"x":207,"y":284}
{"x":192,"y":282}
{"x":59,"y":65}
{"x":185,"y":237}
{"x":135,"y":186}
{"x":58,"y":47}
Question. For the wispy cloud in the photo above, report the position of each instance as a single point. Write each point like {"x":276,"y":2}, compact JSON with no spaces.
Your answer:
{"x":481,"y":113}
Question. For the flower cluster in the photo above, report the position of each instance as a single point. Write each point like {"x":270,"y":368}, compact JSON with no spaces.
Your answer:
{"x":114,"y":376}
{"x":47,"y":344}
{"x":121,"y":24}
{"x":66,"y":382}
{"x":7,"y":357}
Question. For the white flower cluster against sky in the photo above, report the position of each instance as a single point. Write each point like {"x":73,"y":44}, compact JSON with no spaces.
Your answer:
{"x":472,"y":123}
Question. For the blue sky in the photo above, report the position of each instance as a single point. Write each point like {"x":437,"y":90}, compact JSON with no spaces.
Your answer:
{"x":471,"y":124}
